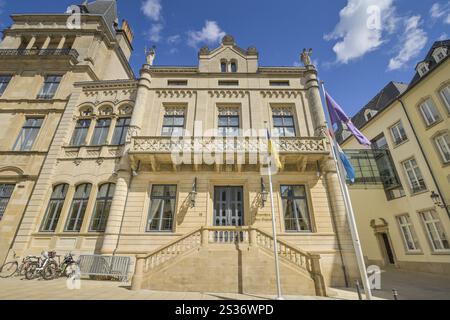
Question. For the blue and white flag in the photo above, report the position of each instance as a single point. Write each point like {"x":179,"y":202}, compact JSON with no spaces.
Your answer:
{"x":351,"y":175}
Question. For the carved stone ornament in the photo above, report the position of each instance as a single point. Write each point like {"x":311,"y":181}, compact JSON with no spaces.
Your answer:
{"x":204,"y":50}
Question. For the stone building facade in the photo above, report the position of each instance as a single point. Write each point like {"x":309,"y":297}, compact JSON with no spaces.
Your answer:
{"x":108,"y":180}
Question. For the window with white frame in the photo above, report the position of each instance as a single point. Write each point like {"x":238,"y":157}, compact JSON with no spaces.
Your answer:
{"x":28,"y":134}
{"x":433,"y":227}
{"x":408,"y":233}
{"x":78,"y":208}
{"x":445,"y":93}
{"x":50,"y":86}
{"x":443,"y":144}
{"x":6,"y":191}
{"x":54,"y":208}
{"x":80,"y":133}
{"x":228,"y":122}
{"x":398,"y":133}
{"x":4,"y":81}
{"x":173,"y":122}
{"x":102,"y":207}
{"x":415,"y":178}
{"x":439,"y":54}
{"x":429,"y":112}
{"x":101,"y":131}
{"x":162,"y":208}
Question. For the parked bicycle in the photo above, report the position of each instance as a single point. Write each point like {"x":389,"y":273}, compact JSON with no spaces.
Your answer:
{"x":16,"y":268}
{"x":67,"y":268}
{"x":38,"y":268}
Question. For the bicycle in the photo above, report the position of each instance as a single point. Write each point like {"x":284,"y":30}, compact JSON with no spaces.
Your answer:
{"x":67,"y":268}
{"x":38,"y":268}
{"x":12,"y":268}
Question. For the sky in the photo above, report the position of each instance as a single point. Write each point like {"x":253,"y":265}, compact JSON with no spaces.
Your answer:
{"x":358,"y":45}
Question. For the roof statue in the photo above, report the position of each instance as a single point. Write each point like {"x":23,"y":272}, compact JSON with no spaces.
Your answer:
{"x":305,"y":57}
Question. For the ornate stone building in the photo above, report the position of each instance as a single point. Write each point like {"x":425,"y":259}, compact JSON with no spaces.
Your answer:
{"x":104,"y":175}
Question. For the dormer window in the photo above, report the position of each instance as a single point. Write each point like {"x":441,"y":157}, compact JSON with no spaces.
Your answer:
{"x":439,"y":54}
{"x":369,"y":114}
{"x":423,"y":68}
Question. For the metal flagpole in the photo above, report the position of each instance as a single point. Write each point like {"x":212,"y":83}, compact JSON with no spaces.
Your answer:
{"x":274,"y":227}
{"x":349,"y":208}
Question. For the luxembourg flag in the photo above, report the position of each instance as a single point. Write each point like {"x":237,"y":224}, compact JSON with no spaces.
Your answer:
{"x":351,"y":175}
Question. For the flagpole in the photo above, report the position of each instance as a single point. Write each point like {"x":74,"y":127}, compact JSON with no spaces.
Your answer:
{"x":349,"y":208}
{"x":274,"y":226}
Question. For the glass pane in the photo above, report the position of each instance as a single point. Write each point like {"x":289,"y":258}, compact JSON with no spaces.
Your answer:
{"x":289,"y":132}
{"x":178,"y":121}
{"x":157,"y":191}
{"x":223,"y":121}
{"x":277,"y":121}
{"x":168,"y":121}
{"x":234,"y":121}
{"x":289,"y":121}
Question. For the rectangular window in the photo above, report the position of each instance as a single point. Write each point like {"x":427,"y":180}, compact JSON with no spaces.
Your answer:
{"x":415,"y":178}
{"x":173,"y":125}
{"x":284,"y":126}
{"x":120,"y":131}
{"x":398,"y":133}
{"x":6,"y":191}
{"x":380,"y":143}
{"x":229,"y":125}
{"x":435,"y":231}
{"x":408,"y":233}
{"x":78,"y":208}
{"x":443,"y":145}
{"x":100,"y":132}
{"x":228,"y":83}
{"x":4,"y":81}
{"x":429,"y":112}
{"x":445,"y":95}
{"x":277,"y":83}
{"x":80,"y":133}
{"x":177,"y":83}
{"x":51,"y":84}
{"x":54,"y":208}
{"x":102,"y":207}
{"x":162,"y":208}
{"x":28,"y":134}
{"x":295,"y":209}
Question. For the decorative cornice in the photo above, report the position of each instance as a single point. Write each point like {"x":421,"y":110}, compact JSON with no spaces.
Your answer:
{"x":280,"y":93}
{"x":107,"y":85}
{"x":228,"y":93}
{"x":174,"y":93}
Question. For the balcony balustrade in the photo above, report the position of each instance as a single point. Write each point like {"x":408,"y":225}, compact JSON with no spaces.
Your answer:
{"x":39,"y":52}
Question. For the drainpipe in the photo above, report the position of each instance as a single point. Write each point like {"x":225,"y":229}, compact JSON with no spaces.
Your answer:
{"x":426,"y":159}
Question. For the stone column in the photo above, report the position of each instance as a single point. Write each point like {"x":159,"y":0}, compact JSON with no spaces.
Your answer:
{"x":137,"y":118}
{"x":315,"y":102}
{"x":114,"y":223}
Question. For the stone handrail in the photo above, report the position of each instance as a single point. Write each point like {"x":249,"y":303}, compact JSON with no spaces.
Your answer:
{"x":168,"y":145}
{"x":226,"y":235}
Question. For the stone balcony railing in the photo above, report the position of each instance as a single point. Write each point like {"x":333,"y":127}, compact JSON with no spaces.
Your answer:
{"x":90,"y":152}
{"x":39,"y":52}
{"x":167,"y":145}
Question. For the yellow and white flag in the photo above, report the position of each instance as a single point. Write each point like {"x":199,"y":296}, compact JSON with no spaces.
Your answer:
{"x":273,"y":152}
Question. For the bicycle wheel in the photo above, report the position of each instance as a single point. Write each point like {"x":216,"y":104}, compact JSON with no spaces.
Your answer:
{"x":31,"y":271}
{"x":50,"y":271}
{"x":8,"y":269}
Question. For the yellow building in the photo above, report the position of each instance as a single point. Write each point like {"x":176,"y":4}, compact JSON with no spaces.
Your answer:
{"x":399,"y":221}
{"x":170,"y":168}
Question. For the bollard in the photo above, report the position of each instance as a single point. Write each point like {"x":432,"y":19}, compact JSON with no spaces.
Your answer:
{"x":358,"y":289}
{"x":395,"y":293}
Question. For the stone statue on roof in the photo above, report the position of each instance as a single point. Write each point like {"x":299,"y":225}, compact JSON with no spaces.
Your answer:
{"x":305,"y":57}
{"x":150,"y":55}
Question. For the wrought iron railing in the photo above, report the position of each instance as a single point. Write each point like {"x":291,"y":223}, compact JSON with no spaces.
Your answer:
{"x":39,"y":52}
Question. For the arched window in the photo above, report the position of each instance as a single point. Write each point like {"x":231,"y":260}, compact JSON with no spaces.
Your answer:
{"x":101,"y":132}
{"x":233,"y":66}
{"x":78,"y":208}
{"x":223,"y":66}
{"x":102,"y":207}
{"x":54,"y":208}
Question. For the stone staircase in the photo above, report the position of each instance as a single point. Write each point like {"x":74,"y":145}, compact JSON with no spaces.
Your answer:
{"x":231,"y":260}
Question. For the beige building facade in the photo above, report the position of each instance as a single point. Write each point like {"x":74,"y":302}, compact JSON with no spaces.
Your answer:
{"x":171,"y":169}
{"x":400,"y":224}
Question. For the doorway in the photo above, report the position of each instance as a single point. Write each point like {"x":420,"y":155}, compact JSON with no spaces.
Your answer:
{"x":228,"y":206}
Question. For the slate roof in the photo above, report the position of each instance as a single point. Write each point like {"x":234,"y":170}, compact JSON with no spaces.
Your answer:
{"x":105,"y":8}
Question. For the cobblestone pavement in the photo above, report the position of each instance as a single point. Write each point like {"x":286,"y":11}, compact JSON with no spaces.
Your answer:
{"x":410,"y":286}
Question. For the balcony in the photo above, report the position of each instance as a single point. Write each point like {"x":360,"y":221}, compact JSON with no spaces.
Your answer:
{"x":219,"y":151}
{"x":42,"y":53}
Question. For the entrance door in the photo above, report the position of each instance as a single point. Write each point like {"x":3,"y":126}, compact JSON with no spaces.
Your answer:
{"x":228,"y":206}
{"x":388,"y":248}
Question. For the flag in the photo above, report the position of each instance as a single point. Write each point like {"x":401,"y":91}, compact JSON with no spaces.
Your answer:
{"x":273,"y":151}
{"x":338,"y":115}
{"x":351,"y":175}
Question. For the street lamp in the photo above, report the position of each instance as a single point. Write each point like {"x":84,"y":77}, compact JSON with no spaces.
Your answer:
{"x":193,"y":193}
{"x":264,"y":193}
{"x":437,"y":200}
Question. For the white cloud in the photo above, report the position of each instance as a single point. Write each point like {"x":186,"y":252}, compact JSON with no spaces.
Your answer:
{"x":174,"y":39}
{"x":447,"y":20}
{"x":439,"y":11}
{"x":152,"y":9}
{"x":413,"y":40}
{"x":211,"y":33}
{"x":154,"y":34}
{"x":361,"y":28}
{"x":443,"y":36}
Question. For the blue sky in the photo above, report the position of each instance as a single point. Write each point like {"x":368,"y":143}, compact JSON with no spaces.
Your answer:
{"x":355,"y":61}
